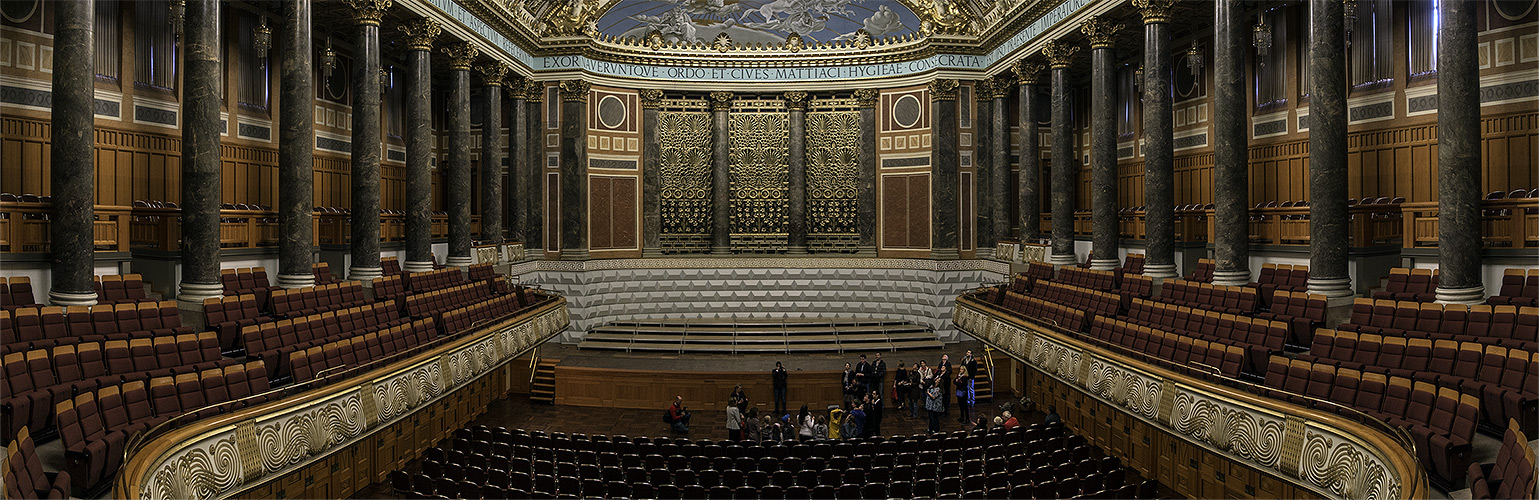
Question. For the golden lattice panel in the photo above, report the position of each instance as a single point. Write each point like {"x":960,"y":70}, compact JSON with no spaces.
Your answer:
{"x":685,"y":172}
{"x":833,"y":149}
{"x":760,"y":178}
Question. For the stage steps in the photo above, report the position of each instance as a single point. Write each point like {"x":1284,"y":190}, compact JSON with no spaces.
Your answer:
{"x":543,"y":388}
{"x":756,"y":336}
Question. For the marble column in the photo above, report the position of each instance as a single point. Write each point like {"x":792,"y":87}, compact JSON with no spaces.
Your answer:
{"x":72,"y":171}
{"x":419,"y":143}
{"x":364,"y":175}
{"x":518,"y":165}
{"x":796,"y":208}
{"x":296,"y":149}
{"x":1159,"y":155}
{"x":1064,"y":173}
{"x":1029,"y":182}
{"x":721,"y":187}
{"x":983,"y":167}
{"x":534,"y":187}
{"x":1327,"y":153}
{"x":574,"y":170}
{"x":944,"y":180}
{"x":651,"y":175}
{"x":201,"y":80}
{"x":999,"y":133}
{"x":1458,"y":156}
{"x":865,"y":177}
{"x":1103,"y":143}
{"x":492,"y":75}
{"x":457,"y":177}
{"x":1231,"y":151}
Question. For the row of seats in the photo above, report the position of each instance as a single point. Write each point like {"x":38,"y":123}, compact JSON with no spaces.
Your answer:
{"x":1285,"y":277}
{"x":1517,"y":289}
{"x":1156,"y":345}
{"x":1302,"y":312}
{"x":308,"y":364}
{"x":322,"y":273}
{"x":1063,"y":316}
{"x":48,"y":326}
{"x":427,"y":281}
{"x":1508,"y":326}
{"x":1258,"y":338}
{"x":1133,"y":264}
{"x":390,"y":287}
{"x":227,"y":315}
{"x":24,"y":474}
{"x":37,"y":380}
{"x":1096,"y":302}
{"x":1220,"y":298}
{"x":1507,"y":380}
{"x":16,"y":292}
{"x":454,"y":321}
{"x":95,"y":427}
{"x":1203,"y":273}
{"x":1513,"y":473}
{"x":1088,"y":278}
{"x":423,"y":305}
{"x":1136,"y":286}
{"x":481,"y":272}
{"x":390,"y":266}
{"x":244,"y":280}
{"x":119,"y":289}
{"x":317,"y":299}
{"x":274,"y":341}
{"x":1441,"y":421}
{"x":1418,"y":285}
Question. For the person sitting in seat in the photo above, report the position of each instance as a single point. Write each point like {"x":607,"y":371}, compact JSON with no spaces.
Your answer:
{"x":1010,"y":421}
{"x":1052,"y":415}
{"x":678,"y":415}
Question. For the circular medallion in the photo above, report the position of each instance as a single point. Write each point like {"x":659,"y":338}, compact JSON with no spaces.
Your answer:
{"x":611,"y":112}
{"x":906,"y":111}
{"x":18,"y":11}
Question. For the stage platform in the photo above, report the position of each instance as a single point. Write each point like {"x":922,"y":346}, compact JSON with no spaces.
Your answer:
{"x":759,"y":336}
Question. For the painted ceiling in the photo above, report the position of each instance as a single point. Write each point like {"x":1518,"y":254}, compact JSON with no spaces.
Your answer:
{"x":757,"y":21}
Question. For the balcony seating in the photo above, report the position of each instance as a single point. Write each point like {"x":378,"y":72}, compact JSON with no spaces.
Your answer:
{"x":1133,"y":264}
{"x":1065,"y":317}
{"x":44,"y":327}
{"x":390,"y":266}
{"x":428,"y":281}
{"x":1088,"y":278}
{"x":124,"y":289}
{"x":272,"y":342}
{"x":308,"y":364}
{"x":491,"y":309}
{"x":1096,"y":302}
{"x":1224,"y":299}
{"x":1037,"y":271}
{"x":228,"y":315}
{"x":1302,"y":312}
{"x":423,"y":305}
{"x":1419,"y":285}
{"x":1203,"y":273}
{"x":1158,"y":346}
{"x":317,"y":299}
{"x":1517,"y":289}
{"x":1512,"y":475}
{"x":252,"y":280}
{"x":1260,"y":338}
{"x":24,"y":474}
{"x":1507,"y":326}
{"x":322,"y":273}
{"x":390,"y":287}
{"x":1135,"y":286}
{"x":1274,"y":277}
{"x":1440,"y":421}
{"x":16,"y":292}
{"x":481,"y":272}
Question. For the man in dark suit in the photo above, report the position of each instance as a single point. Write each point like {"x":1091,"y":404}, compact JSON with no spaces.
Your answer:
{"x":971,"y":363}
{"x":863,"y":376}
{"x":943,"y":374}
{"x":878,"y":375}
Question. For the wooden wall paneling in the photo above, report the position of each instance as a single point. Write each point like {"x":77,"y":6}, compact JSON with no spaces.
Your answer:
{"x":919,"y":210}
{"x":968,"y":226}
{"x":895,"y":225}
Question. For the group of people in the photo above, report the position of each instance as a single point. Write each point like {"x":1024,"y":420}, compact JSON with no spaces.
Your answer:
{"x":931,"y":389}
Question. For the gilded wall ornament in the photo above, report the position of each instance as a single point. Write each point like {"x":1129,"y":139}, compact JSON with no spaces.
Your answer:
{"x":943,"y":89}
{"x":1027,"y":72}
{"x":1155,"y":11}
{"x":651,"y":98}
{"x":684,"y":166}
{"x":833,"y":152}
{"x":534,"y":91}
{"x":1059,"y":54}
{"x":420,"y":33}
{"x":796,"y":99}
{"x":722,"y":43}
{"x":759,"y":177}
{"x":654,"y":40}
{"x":944,"y":17}
{"x":862,"y":39}
{"x":462,"y":55}
{"x":983,"y":90}
{"x":368,"y":12}
{"x":574,"y":91}
{"x":572,"y":17}
{"x":721,"y":100}
{"x":1004,"y":85}
{"x":866,"y":97}
{"x":493,"y":73}
{"x":1101,"y":32}
{"x":794,"y":43}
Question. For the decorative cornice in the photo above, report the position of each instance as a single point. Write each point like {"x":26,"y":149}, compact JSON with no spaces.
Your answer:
{"x":493,"y":73}
{"x":722,"y":43}
{"x":721,"y":100}
{"x":983,"y":90}
{"x":1154,"y":11}
{"x":866,"y":97}
{"x":462,"y":55}
{"x":943,"y":89}
{"x":651,"y":98}
{"x":796,"y":99}
{"x":1027,"y":72}
{"x":368,"y":12}
{"x":794,"y":43}
{"x":574,"y":91}
{"x":420,"y":33}
{"x":1059,"y":53}
{"x":1101,"y":31}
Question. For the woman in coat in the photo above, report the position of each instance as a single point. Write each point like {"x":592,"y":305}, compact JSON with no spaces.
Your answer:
{"x":934,"y":404}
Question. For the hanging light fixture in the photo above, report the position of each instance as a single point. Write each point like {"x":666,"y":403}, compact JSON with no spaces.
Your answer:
{"x":1138,"y":81}
{"x":176,"y":14}
{"x":262,"y":38}
{"x":1349,"y":18}
{"x":384,"y":78}
{"x":328,"y":58}
{"x":1194,"y":59}
{"x":1261,"y":37}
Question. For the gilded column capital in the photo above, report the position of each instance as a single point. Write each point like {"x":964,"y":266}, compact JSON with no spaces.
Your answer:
{"x":368,"y":12}
{"x":721,"y":100}
{"x":420,"y":33}
{"x":1101,"y":32}
{"x":1154,"y":11}
{"x":534,"y":91}
{"x":574,"y":91}
{"x":651,"y":98}
{"x":796,"y":99}
{"x":1004,"y":85}
{"x":1027,"y":72}
{"x":1059,"y":54}
{"x":866,"y":98}
{"x":493,"y":73}
{"x":462,"y":55}
{"x":943,"y":89}
{"x":983,"y":90}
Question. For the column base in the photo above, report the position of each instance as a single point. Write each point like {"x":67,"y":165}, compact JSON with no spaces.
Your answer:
{"x":65,"y":299}
{"x":1331,"y":287}
{"x":865,"y":251}
{"x":1230,"y":278}
{"x":1063,"y":259}
{"x":356,"y":273}
{"x":459,"y":261}
{"x":575,"y":254}
{"x":189,"y":297}
{"x":651,"y":253}
{"x":721,"y":251}
{"x":1105,"y":264}
{"x":1163,"y":271}
{"x":296,"y":280}
{"x":417,"y":266}
{"x":796,"y":250}
{"x":945,"y":254}
{"x":1472,"y":295}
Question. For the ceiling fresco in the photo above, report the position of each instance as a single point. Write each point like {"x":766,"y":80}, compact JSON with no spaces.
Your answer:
{"x":757,"y":21}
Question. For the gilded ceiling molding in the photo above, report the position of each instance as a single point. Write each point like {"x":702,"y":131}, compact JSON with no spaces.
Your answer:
{"x":651,"y":98}
{"x":722,"y":43}
{"x":462,"y":55}
{"x":1027,"y":72}
{"x":572,"y":18}
{"x":943,"y":89}
{"x":1059,"y":54}
{"x":866,"y":98}
{"x":721,"y":100}
{"x":1101,"y":31}
{"x":368,"y":12}
{"x":796,"y":99}
{"x":794,"y":43}
{"x":420,"y":33}
{"x":574,"y":91}
{"x":493,"y":73}
{"x":1155,"y":11}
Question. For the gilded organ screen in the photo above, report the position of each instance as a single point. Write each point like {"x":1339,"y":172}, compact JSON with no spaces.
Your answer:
{"x":684,"y":193}
{"x":760,"y":174}
{"x":833,"y":148}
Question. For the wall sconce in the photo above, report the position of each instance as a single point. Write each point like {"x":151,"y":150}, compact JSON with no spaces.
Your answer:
{"x":176,"y":15}
{"x":1261,"y":37}
{"x":328,"y":58}
{"x":1138,"y":79}
{"x":263,"y":38}
{"x":1349,"y":18}
{"x":1194,"y":59}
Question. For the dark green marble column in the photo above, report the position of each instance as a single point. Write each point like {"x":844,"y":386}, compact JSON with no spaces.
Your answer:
{"x":796,"y":161}
{"x":1458,"y":156}
{"x":296,"y":148}
{"x":492,"y":75}
{"x":651,"y":175}
{"x":201,"y":80}
{"x":518,"y":165}
{"x":944,"y":182}
{"x":1065,"y":168}
{"x":534,"y":188}
{"x":1327,"y":153}
{"x":1103,"y":143}
{"x":72,"y":171}
{"x":457,"y":177}
{"x":1030,"y":153}
{"x":574,"y":170}
{"x":366,"y":141}
{"x":999,"y":157}
{"x":865,"y":201}
{"x":721,"y":179}
{"x":983,"y":167}
{"x":419,"y":143}
{"x":1231,"y":151}
{"x":1159,"y":155}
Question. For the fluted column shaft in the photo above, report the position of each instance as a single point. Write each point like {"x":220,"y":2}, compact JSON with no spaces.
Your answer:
{"x":999,"y":190}
{"x":366,"y":142}
{"x":296,"y":149}
{"x":1159,"y":157}
{"x":1031,"y":162}
{"x":457,"y":177}
{"x":796,"y":209}
{"x":944,"y":182}
{"x":419,"y":150}
{"x":1103,"y":158}
{"x":72,"y":172}
{"x":1327,"y":153}
{"x":201,"y":80}
{"x":1064,"y":171}
{"x":1231,"y":151}
{"x":1458,"y":156}
{"x":491,"y":159}
{"x":721,"y":178}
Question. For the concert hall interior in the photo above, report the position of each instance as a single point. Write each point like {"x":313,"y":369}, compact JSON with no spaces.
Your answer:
{"x":769,"y":249}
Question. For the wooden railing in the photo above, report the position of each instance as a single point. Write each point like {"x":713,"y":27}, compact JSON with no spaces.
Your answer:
{"x":1504,"y":223}
{"x":337,"y":228}
{"x":24,"y":227}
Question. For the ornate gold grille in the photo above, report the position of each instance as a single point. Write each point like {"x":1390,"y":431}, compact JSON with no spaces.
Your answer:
{"x":760,"y":177}
{"x":833,"y":148}
{"x":685,"y":191}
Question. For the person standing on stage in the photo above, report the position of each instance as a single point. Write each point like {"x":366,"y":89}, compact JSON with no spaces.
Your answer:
{"x":734,"y":423}
{"x":738,"y":399}
{"x":862,"y":377}
{"x":778,"y":376}
{"x":943,"y":375}
{"x":874,"y":413}
{"x":971,"y":364}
